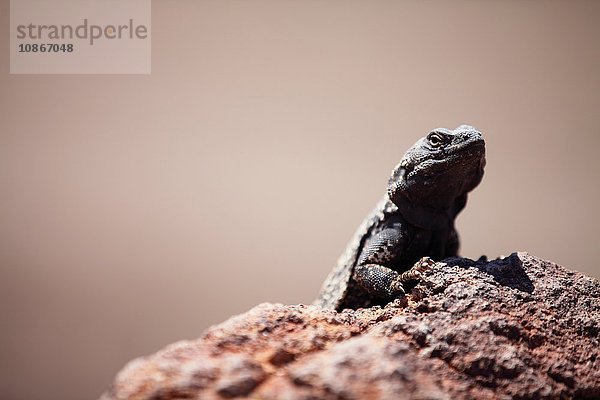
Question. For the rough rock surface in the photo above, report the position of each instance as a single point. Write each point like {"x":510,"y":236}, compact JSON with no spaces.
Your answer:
{"x":518,"y":327}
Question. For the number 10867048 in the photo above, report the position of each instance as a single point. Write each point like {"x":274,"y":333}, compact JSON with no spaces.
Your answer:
{"x":46,"y":48}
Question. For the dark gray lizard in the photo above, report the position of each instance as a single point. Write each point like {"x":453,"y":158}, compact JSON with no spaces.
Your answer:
{"x":414,"y":222}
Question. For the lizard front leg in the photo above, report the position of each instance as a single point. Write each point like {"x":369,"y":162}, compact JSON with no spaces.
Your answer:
{"x":377,"y":279}
{"x":371,"y":273}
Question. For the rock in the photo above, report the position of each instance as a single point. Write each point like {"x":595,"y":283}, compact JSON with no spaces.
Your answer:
{"x":518,"y":327}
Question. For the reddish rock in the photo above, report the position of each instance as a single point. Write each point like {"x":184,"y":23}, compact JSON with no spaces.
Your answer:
{"x":519,"y":327}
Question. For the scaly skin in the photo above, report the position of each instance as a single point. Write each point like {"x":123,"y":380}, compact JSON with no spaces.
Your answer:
{"x":413,"y":225}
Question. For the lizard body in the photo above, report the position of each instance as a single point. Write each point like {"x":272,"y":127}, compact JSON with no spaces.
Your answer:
{"x":414,"y":220}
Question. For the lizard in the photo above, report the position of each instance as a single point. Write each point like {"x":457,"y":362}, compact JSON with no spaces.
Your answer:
{"x":412,"y":227}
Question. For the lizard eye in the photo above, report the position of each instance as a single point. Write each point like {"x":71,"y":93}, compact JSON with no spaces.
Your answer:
{"x":435,"y":139}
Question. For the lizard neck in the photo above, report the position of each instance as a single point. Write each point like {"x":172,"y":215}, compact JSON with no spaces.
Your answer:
{"x":425,"y":217}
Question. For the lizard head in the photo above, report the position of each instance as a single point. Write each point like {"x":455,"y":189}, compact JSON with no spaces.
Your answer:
{"x":438,"y":169}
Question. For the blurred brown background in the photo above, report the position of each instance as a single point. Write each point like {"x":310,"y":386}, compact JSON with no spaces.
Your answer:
{"x":138,"y":210}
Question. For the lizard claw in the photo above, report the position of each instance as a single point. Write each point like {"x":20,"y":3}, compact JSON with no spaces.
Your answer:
{"x":398,"y":288}
{"x":416,"y":272}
